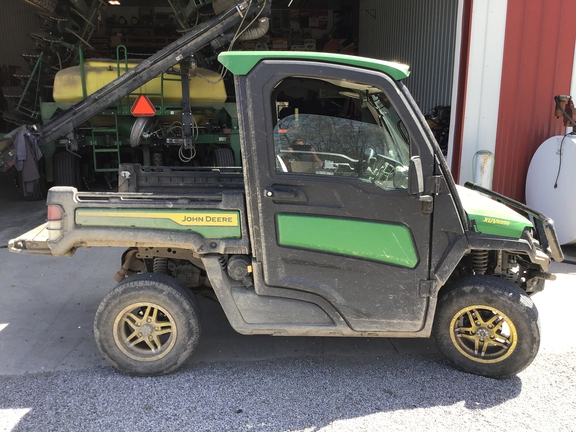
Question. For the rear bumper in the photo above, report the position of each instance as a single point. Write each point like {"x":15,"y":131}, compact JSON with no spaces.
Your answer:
{"x":34,"y":242}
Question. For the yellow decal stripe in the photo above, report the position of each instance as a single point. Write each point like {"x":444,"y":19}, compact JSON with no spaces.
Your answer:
{"x":182,"y":218}
{"x":496,"y":221}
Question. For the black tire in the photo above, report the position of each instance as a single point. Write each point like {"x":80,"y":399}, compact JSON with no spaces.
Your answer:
{"x":138,"y":303}
{"x":223,"y":157}
{"x":67,"y":170}
{"x":487,"y":326}
{"x":40,"y":188}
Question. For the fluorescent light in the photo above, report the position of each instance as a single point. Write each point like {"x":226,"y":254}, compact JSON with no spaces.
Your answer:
{"x":289,"y":4}
{"x":114,"y":2}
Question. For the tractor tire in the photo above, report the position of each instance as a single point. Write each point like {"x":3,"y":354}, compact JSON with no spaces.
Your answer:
{"x":487,"y":326}
{"x":223,"y":157}
{"x":39,"y":191}
{"x":67,"y":170}
{"x":148,"y":325}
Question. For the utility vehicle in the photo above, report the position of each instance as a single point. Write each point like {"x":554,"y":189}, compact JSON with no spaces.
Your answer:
{"x":360,"y":232}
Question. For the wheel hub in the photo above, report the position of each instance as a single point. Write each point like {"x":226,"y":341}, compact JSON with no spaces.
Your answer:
{"x":483,"y":334}
{"x":145,"y":331}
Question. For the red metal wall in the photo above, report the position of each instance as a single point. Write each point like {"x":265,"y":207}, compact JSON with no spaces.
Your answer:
{"x":538,"y":61}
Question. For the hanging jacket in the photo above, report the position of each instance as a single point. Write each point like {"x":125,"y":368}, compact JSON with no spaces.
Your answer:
{"x":26,"y":159}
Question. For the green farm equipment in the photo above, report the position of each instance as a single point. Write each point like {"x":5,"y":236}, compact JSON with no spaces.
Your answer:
{"x":91,"y":122}
{"x":120,"y":133}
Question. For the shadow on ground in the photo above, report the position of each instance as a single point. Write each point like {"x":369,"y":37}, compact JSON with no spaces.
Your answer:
{"x":279,"y":395}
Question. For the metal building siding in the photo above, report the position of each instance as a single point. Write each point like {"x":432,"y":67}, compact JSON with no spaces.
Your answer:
{"x":18,"y":18}
{"x":538,"y":63}
{"x":420,"y":34}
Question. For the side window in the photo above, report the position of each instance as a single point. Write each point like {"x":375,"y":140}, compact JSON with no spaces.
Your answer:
{"x":339,"y":129}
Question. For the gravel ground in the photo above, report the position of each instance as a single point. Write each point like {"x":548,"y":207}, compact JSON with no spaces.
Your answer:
{"x":402,"y":392}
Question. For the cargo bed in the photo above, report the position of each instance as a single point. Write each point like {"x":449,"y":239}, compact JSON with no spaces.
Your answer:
{"x":201,"y":210}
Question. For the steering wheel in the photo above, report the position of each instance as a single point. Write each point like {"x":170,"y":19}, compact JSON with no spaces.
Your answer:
{"x":367,"y":164}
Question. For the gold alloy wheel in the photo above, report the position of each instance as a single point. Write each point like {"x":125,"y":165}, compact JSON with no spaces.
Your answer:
{"x":483,"y":334}
{"x":144,"y":331}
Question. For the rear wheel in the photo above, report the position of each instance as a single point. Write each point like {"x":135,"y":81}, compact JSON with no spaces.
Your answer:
{"x":148,"y":325}
{"x":487,"y":326}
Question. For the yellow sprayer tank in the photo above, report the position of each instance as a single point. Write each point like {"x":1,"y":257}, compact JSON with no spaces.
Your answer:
{"x":205,"y":87}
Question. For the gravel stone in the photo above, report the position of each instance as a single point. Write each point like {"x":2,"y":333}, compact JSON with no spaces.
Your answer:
{"x":398,"y":393}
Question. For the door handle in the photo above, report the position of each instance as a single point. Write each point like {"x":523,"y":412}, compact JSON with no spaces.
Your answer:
{"x":427,"y":203}
{"x":278,"y":193}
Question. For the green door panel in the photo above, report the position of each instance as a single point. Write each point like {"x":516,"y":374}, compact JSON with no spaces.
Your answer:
{"x":208,"y":223}
{"x":376,"y":241}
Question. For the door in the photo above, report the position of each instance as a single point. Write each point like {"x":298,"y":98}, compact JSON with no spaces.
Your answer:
{"x":330,"y":209}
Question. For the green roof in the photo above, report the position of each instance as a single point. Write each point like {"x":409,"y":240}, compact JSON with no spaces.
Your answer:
{"x":242,"y":62}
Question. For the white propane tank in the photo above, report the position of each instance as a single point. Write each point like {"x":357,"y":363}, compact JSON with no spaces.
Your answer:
{"x":552,"y":165}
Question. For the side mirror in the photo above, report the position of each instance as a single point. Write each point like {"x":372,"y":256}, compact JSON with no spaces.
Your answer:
{"x":415,"y":176}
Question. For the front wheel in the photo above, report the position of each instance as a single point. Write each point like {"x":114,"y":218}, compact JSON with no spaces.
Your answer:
{"x":148,"y":325}
{"x":487,"y":326}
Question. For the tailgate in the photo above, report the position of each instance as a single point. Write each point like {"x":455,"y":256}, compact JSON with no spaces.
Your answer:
{"x":33,"y":242}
